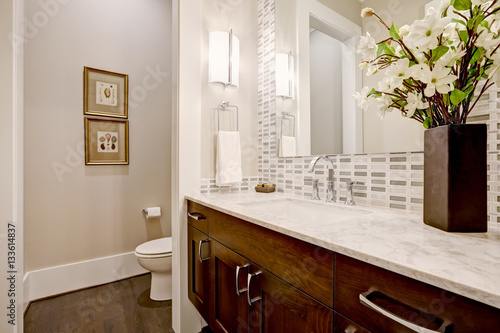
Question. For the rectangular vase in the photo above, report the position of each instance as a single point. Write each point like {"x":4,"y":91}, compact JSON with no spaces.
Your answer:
{"x":455,"y":180}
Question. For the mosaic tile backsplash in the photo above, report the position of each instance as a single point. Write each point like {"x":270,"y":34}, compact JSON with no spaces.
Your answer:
{"x":391,"y":180}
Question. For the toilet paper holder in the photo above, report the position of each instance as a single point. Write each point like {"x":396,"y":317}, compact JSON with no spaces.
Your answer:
{"x":156,"y":211}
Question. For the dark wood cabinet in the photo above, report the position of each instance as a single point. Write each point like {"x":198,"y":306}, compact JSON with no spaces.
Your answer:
{"x":244,"y":278}
{"x":305,"y":266}
{"x":198,"y":271}
{"x":344,"y":325}
{"x":228,"y":303}
{"x":383,"y":301}
{"x":280,"y":307}
{"x":290,"y":280}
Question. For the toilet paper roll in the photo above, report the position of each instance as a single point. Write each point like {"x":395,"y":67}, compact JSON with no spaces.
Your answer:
{"x":153,"y":212}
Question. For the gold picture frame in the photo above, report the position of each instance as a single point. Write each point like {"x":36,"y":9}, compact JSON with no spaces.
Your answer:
{"x":106,"y":141}
{"x":105,"y":93}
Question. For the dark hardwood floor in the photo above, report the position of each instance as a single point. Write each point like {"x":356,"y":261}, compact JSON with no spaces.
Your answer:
{"x":121,"y":307}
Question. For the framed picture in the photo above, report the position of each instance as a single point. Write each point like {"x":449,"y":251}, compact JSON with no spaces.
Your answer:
{"x":105,"y":93}
{"x":106,"y":141}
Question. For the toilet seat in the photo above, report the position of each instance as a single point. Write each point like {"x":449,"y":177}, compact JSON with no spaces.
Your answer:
{"x":157,"y":248}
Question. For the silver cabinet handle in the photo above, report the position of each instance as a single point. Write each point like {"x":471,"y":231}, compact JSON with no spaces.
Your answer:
{"x":255,"y":299}
{"x":196,"y":216}
{"x":238,"y":290}
{"x":200,"y":244}
{"x":363,"y":298}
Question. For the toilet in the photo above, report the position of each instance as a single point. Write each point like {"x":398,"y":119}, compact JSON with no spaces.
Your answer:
{"x":156,"y":257}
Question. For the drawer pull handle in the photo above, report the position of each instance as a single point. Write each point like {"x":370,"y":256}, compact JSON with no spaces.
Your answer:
{"x":199,"y":249}
{"x":363,"y":298}
{"x":238,"y":290}
{"x":196,"y":216}
{"x":255,"y":299}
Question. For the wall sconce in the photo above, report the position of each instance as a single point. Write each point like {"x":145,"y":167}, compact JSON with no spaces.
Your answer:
{"x":223,"y":58}
{"x":284,"y":75}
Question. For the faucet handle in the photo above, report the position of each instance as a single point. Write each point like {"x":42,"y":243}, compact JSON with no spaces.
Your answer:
{"x":315,"y":190}
{"x":349,"y":200}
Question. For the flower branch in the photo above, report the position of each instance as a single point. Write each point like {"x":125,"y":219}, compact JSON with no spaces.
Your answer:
{"x":433,"y":66}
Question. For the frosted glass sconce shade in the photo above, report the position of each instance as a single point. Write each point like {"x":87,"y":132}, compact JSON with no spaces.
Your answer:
{"x":223,"y":58}
{"x":284,"y":75}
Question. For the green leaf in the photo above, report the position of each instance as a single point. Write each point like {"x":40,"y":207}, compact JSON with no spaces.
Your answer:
{"x":477,"y":54}
{"x":446,"y":99}
{"x":389,"y":50}
{"x":438,"y":52}
{"x":427,"y":123}
{"x":469,"y":90}
{"x":394,"y":32}
{"x":381,"y":48}
{"x":459,"y":22}
{"x":457,"y":96}
{"x":461,"y":4}
{"x":463,"y":35}
{"x":475,"y":21}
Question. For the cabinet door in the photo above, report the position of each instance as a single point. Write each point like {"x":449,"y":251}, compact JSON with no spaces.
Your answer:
{"x":228,"y":305}
{"x":198,"y":270}
{"x":279,"y":307}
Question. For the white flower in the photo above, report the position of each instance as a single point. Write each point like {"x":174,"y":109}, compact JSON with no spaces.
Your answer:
{"x":451,"y":57}
{"x":424,"y":33}
{"x":367,"y":12}
{"x":495,"y":26}
{"x":367,"y":47}
{"x":362,"y":98}
{"x":439,"y":78}
{"x":385,"y":85}
{"x":414,"y":101}
{"x":371,"y":69}
{"x":384,"y":103}
{"x":445,"y":4}
{"x":404,"y":30}
{"x":450,"y":33}
{"x":494,"y":71}
{"x":486,"y":39}
{"x":398,"y":72}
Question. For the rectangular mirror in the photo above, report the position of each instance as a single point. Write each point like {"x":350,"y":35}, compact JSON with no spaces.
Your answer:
{"x":321,"y":116}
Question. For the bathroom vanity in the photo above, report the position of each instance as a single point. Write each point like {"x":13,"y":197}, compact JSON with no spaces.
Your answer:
{"x":268,"y":263}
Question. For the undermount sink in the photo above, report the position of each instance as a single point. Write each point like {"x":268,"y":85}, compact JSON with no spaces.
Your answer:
{"x":308,"y":211}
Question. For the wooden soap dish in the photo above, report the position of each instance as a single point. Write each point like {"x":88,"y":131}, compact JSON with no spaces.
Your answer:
{"x":265,"y":188}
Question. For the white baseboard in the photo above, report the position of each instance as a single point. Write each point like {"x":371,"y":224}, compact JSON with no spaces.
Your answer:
{"x":84,"y":274}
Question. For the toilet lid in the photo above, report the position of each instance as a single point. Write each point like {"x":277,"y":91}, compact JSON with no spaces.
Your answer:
{"x":157,"y":246}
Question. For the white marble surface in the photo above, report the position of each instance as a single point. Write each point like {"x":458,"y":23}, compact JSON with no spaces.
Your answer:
{"x":465,"y":263}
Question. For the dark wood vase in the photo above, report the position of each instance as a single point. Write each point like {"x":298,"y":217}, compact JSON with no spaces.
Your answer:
{"x":455,"y":192}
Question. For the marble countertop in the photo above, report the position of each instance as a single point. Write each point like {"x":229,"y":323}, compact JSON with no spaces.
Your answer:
{"x":465,"y":263}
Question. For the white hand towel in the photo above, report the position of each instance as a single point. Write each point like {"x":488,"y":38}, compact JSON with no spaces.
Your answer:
{"x":228,"y":161}
{"x":288,"y":146}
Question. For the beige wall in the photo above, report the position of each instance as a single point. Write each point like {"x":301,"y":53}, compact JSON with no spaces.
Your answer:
{"x":7,"y":156}
{"x":385,"y":135}
{"x":75,"y":212}
{"x":241,"y":17}
{"x":350,"y":9}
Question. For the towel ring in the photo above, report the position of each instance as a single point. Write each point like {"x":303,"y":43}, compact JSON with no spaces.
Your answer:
{"x":225,"y":105}
{"x":284,"y":115}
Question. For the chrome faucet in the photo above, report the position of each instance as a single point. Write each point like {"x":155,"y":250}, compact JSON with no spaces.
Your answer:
{"x":349,"y":198}
{"x":330,"y":191}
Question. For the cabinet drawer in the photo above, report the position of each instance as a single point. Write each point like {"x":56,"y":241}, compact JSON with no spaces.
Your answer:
{"x":198,"y":216}
{"x":303,"y":265}
{"x":410,"y":300}
{"x":344,"y":325}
